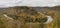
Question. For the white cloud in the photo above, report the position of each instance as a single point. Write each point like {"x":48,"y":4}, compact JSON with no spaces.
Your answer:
{"x":42,"y":3}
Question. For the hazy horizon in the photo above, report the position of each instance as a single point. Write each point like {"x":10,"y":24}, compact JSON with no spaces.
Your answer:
{"x":32,"y":3}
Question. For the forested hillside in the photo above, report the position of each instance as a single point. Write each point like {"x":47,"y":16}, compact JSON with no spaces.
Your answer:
{"x":23,"y":15}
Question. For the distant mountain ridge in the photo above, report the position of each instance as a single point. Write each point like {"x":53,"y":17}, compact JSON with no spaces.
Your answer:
{"x":57,"y":8}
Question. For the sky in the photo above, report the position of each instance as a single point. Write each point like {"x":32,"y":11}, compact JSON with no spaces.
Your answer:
{"x":32,"y":3}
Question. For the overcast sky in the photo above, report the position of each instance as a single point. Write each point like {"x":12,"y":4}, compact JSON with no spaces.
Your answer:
{"x":41,"y":3}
